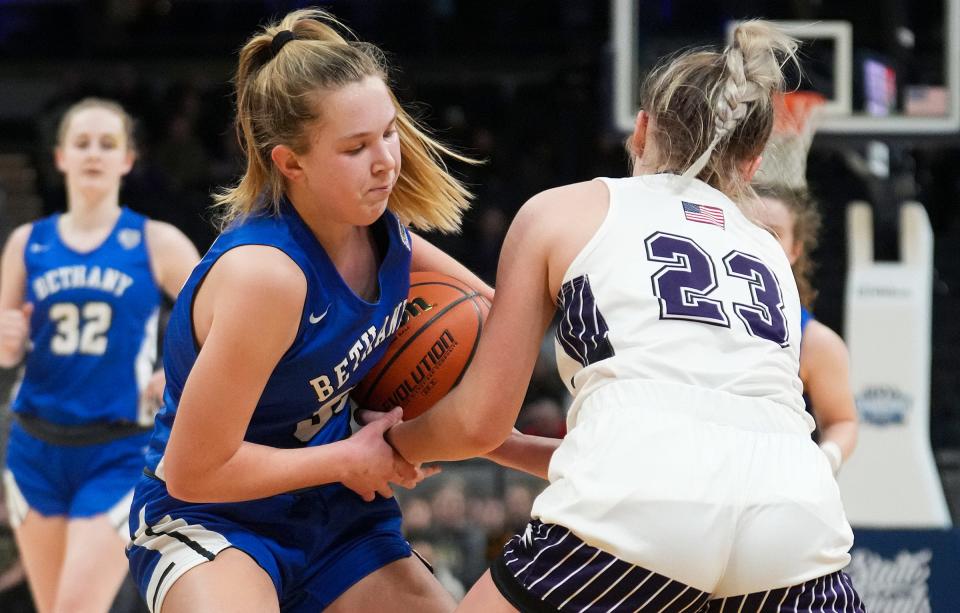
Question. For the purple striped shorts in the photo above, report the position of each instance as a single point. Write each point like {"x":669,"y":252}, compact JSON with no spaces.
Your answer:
{"x":549,"y":569}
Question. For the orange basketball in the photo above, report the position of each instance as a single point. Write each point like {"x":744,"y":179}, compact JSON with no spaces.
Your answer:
{"x":433,"y":346}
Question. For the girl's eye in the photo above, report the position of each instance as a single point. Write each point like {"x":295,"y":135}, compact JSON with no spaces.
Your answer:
{"x":355,"y":150}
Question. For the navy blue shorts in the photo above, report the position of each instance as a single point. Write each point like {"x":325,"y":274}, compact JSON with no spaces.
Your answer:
{"x":73,"y":481}
{"x":314,"y":545}
{"x":549,"y":569}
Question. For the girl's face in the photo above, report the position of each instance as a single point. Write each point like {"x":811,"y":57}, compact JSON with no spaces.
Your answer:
{"x":778,"y":218}
{"x":354,"y":156}
{"x":94,"y":154}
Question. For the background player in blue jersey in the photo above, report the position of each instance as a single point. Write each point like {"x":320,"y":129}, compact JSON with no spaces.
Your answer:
{"x":824,"y":361}
{"x":687,"y":480}
{"x":257,"y":498}
{"x":80,"y":294}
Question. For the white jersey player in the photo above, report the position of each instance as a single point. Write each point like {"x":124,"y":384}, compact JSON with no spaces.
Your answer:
{"x":688,"y":480}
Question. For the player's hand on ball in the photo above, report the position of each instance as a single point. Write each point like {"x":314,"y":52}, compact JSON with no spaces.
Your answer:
{"x":375,"y":464}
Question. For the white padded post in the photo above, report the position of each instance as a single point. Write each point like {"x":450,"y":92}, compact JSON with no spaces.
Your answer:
{"x":891,"y":480}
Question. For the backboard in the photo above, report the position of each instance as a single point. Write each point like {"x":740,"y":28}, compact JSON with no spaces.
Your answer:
{"x":890,"y":67}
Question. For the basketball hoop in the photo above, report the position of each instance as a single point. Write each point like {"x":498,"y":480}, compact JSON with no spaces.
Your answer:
{"x":796,"y":116}
{"x":794,"y":110}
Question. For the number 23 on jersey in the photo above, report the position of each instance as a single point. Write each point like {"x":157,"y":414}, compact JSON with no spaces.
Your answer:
{"x":683,"y":286}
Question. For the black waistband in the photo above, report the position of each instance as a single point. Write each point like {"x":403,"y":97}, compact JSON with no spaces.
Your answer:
{"x":79,"y":435}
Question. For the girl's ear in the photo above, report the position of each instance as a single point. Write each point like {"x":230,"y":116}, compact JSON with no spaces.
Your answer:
{"x":58,"y":159}
{"x":286,"y":162}
{"x":748,"y":168}
{"x":638,"y":139}
{"x":793,"y":254}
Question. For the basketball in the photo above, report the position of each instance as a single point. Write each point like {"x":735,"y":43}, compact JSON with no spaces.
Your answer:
{"x":433,"y":346}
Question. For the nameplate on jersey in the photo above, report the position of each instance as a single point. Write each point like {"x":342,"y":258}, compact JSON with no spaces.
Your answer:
{"x":81,"y":276}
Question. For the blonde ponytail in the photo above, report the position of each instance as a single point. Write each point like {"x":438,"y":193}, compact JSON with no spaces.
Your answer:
{"x":275,"y":106}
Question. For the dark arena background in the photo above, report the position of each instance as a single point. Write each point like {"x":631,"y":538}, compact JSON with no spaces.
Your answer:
{"x":544,"y":91}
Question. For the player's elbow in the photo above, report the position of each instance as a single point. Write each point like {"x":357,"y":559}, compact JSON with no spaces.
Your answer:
{"x":183,"y":483}
{"x":484,"y":435}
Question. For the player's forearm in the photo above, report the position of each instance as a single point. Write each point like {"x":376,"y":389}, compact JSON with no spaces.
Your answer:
{"x":446,"y":433}
{"x":256,"y":471}
{"x":526,"y":453}
{"x":843,"y":433}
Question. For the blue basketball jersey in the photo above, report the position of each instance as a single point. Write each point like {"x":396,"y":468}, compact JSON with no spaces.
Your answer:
{"x":805,"y":318}
{"x":341,"y":336}
{"x":94,"y":325}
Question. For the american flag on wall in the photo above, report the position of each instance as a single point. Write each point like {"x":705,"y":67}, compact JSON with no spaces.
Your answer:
{"x":702,"y":213}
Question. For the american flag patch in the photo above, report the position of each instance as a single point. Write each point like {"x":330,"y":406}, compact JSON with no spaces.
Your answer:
{"x":702,"y":213}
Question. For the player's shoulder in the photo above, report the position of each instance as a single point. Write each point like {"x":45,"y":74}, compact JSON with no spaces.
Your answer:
{"x":20,"y":234}
{"x":569,"y":195}
{"x":165,"y":240}
{"x":262,"y":269}
{"x":565,"y":206}
{"x":253,"y":286}
{"x":821,"y":345}
{"x":163,"y":232}
{"x":17,"y":240}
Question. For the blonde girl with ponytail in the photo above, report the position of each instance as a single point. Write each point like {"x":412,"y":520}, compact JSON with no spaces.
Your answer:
{"x":688,"y":480}
{"x":256,"y":497}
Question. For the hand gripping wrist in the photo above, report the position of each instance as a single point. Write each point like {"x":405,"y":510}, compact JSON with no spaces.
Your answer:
{"x":388,"y":436}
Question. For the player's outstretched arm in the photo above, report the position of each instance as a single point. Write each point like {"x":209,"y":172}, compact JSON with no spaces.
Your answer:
{"x":825,"y":371}
{"x":526,"y":453}
{"x":478,"y":415}
{"x":14,"y":314}
{"x":246,"y":315}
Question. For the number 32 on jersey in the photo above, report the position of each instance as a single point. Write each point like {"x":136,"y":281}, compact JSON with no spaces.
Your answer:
{"x":683,"y":286}
{"x":80,"y":329}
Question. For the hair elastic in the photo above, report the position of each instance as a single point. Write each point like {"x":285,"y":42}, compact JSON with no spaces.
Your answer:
{"x":280,"y":39}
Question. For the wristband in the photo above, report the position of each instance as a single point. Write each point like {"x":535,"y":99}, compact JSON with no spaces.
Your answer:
{"x":834,"y":455}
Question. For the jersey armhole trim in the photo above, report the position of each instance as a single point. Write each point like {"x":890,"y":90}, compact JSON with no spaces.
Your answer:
{"x":150,"y":260}
{"x":196,"y":290}
{"x":594,"y":242}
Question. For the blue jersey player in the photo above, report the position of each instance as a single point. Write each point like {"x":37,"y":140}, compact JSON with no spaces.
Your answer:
{"x":79,"y":300}
{"x":256,"y":496}
{"x":824,"y":360}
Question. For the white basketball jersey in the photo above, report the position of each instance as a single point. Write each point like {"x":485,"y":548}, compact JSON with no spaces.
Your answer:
{"x":678,"y":286}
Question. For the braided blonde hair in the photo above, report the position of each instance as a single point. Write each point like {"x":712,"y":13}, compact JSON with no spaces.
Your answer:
{"x":712,"y":111}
